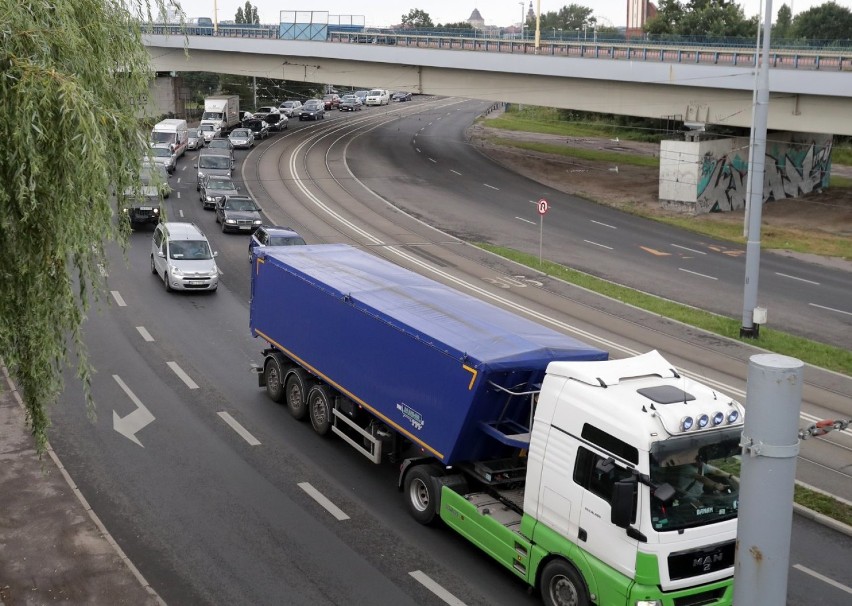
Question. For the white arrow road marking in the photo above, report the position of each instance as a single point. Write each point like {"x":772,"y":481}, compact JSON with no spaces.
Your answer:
{"x":439,"y":591}
{"x":136,"y":420}
{"x":320,"y":498}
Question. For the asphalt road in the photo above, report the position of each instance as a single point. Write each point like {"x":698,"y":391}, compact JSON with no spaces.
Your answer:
{"x":213,"y":515}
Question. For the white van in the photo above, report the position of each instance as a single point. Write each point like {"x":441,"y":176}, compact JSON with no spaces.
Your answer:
{"x":377,"y":96}
{"x":182,"y":258}
{"x":174,"y":133}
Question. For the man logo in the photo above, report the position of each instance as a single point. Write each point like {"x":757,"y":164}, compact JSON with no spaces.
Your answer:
{"x":706,"y":563}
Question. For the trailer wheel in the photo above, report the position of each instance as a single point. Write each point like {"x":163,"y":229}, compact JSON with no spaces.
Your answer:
{"x":562,"y":585}
{"x":421,"y":498}
{"x":319,"y":409}
{"x":274,"y":374}
{"x":296,"y":388}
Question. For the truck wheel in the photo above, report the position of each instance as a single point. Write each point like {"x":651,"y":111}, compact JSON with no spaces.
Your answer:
{"x":562,"y":585}
{"x":420,"y":493}
{"x":296,"y":387}
{"x":274,"y":373}
{"x":319,"y":409}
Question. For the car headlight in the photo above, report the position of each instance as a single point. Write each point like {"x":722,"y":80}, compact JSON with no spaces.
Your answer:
{"x":257,"y":222}
{"x":230,"y":221}
{"x":200,"y":176}
{"x":156,"y":211}
{"x":210,"y":198}
{"x":176,"y":271}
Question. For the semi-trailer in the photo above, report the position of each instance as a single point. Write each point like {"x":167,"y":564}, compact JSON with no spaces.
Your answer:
{"x":596,"y":481}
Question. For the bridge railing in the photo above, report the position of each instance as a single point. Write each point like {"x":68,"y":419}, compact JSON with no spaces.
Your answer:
{"x":734,"y":52}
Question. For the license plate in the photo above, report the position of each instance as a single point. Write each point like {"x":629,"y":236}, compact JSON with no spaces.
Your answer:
{"x":245,"y":226}
{"x":195,"y":282}
{"x":146,"y":208}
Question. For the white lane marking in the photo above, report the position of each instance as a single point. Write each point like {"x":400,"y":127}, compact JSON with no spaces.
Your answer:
{"x":596,"y":244}
{"x":183,"y":376}
{"x":418,"y":149}
{"x":118,"y":299}
{"x":320,"y":498}
{"x":840,"y":311}
{"x":823,"y":578}
{"x":178,"y":195}
{"x":526,"y":221}
{"x":456,"y":172}
{"x":145,"y":334}
{"x":428,"y":583}
{"x":491,"y":186}
{"x":242,"y":431}
{"x":134,"y":422}
{"x":604,"y":224}
{"x":181,"y":213}
{"x":695,"y":273}
{"x":433,"y":160}
{"x":697,"y":252}
{"x":778,"y":273}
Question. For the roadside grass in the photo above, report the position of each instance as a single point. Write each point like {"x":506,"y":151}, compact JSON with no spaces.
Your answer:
{"x":584,"y":154}
{"x":841,"y":155}
{"x":818,"y":354}
{"x":811,"y":352}
{"x":546,"y":120}
{"x":840,"y":182}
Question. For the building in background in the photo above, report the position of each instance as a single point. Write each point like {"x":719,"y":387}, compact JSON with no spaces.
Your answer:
{"x":476,"y":21}
{"x":638,"y":13}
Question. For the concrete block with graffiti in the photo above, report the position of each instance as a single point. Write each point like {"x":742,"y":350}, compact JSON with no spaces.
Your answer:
{"x":712,"y":176}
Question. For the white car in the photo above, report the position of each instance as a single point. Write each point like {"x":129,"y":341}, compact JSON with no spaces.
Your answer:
{"x":161,"y":153}
{"x":291,"y":109}
{"x":209,"y":131}
{"x":182,"y":258}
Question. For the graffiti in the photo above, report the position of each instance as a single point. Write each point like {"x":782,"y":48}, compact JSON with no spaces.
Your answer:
{"x":791,"y":170}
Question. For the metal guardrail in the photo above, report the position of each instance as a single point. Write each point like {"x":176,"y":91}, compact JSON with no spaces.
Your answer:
{"x":822,"y":59}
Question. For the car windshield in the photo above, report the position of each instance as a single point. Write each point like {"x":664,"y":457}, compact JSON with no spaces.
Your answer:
{"x":287,"y":104}
{"x":266,"y":109}
{"x":285,"y":240}
{"x":704,"y":472}
{"x":375,"y":93}
{"x":242,"y":204}
{"x":220,"y":143}
{"x":240,"y":133}
{"x":160,"y":152}
{"x":189,"y":250}
{"x":349,"y":98}
{"x":221,"y":184}
{"x":314,"y":104}
{"x":149,"y":175}
{"x":206,"y":128}
{"x":214,"y":162}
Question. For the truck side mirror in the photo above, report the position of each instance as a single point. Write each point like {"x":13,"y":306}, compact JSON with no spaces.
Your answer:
{"x":624,"y":493}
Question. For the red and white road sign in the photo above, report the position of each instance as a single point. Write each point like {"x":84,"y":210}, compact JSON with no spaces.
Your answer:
{"x":542,"y":206}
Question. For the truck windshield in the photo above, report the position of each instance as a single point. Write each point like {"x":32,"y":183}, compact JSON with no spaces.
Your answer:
{"x":703,"y":469}
{"x":213,"y":116}
{"x":161,"y":137}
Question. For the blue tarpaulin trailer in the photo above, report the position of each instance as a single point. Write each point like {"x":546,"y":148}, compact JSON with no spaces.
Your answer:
{"x":391,"y":346}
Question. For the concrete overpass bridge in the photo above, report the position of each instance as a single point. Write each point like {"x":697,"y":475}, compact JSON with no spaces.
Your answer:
{"x":810,"y":99}
{"x":811,"y":90}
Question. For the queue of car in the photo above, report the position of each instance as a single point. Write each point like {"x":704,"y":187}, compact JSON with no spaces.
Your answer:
{"x":181,"y":255}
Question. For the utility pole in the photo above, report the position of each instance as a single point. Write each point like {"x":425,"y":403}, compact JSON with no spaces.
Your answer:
{"x":757,"y":172}
{"x":770,"y":444}
{"x":537,"y":26}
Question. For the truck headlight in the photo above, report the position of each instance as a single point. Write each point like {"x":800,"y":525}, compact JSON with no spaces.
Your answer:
{"x":649,"y":603}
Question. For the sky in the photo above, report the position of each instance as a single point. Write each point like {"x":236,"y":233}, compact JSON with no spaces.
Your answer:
{"x":384,"y":13}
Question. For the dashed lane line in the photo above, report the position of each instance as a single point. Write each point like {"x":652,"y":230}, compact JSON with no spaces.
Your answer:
{"x":326,"y":504}
{"x":448,"y":598}
{"x":242,"y":431}
{"x":182,"y":375}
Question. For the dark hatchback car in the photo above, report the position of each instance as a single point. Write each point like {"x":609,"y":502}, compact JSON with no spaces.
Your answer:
{"x":313,"y":109}
{"x":273,"y":235}
{"x":401,"y":96}
{"x":238,"y":213}
{"x":259,"y":127}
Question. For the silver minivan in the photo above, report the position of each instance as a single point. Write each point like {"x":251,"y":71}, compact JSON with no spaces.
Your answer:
{"x":181,"y":256}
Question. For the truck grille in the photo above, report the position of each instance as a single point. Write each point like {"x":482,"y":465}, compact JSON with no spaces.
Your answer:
{"x":705,"y":598}
{"x":686,"y":564}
